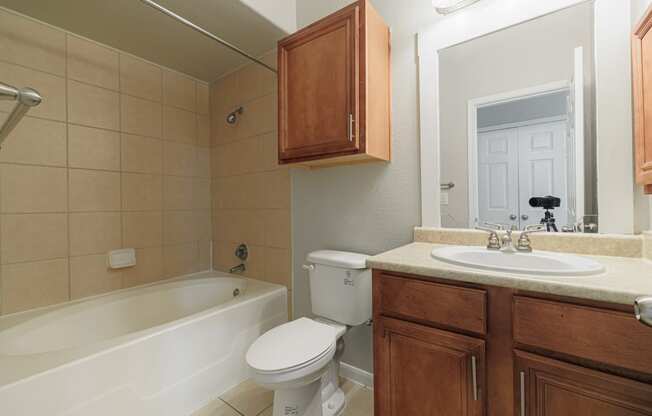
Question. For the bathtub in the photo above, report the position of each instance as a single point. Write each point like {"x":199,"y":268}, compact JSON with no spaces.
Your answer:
{"x":163,"y":349}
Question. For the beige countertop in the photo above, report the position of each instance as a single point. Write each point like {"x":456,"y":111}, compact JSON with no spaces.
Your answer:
{"x":624,"y":279}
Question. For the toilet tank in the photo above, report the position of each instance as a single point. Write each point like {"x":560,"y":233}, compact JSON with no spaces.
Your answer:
{"x":340,"y":286}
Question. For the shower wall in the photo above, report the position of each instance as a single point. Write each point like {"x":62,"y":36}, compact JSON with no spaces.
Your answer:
{"x":117,"y":155}
{"x":251,"y":193}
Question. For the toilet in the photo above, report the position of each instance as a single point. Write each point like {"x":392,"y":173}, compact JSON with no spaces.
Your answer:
{"x":299,"y":360}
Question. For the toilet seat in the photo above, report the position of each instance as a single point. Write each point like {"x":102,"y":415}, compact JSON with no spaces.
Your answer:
{"x":292,"y":347}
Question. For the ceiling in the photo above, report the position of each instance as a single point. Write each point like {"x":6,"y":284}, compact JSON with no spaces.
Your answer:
{"x":133,"y":27}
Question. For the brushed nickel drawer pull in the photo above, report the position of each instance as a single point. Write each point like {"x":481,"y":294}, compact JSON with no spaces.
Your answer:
{"x":522,"y":393}
{"x":350,"y":127}
{"x":474,"y":369}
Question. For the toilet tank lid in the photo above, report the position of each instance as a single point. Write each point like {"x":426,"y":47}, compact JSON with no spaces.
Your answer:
{"x":342,"y":259}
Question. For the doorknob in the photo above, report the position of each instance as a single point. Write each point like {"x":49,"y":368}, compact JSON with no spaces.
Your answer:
{"x":525,"y":217}
{"x":513,"y":217}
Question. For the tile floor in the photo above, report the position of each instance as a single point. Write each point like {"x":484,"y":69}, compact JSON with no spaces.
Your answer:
{"x":247,"y":399}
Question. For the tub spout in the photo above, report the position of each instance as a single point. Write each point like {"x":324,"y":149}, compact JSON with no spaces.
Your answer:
{"x":240,"y":268}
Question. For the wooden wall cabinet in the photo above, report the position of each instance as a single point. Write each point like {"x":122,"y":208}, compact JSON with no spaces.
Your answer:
{"x":642,"y":92}
{"x":334,"y":103}
{"x":446,"y":348}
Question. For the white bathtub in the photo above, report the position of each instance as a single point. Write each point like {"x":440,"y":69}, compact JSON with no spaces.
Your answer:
{"x":164,"y":349}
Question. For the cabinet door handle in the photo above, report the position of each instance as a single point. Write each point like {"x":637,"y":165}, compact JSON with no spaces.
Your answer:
{"x":522,"y":375}
{"x":351,"y":127}
{"x":474,"y":375}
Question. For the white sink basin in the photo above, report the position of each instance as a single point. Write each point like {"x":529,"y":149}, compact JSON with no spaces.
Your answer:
{"x":542,"y":263}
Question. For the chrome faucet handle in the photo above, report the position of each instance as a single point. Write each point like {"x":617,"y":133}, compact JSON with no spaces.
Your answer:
{"x":492,"y":226}
{"x":493,"y":243}
{"x":643,"y":310}
{"x":524,"y":243}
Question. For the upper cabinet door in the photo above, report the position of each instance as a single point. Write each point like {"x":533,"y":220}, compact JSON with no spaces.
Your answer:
{"x":319,"y":88}
{"x":642,"y":84}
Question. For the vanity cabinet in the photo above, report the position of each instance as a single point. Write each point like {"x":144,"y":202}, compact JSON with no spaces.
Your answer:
{"x":642,"y":92}
{"x":334,"y":90}
{"x":450,"y":348}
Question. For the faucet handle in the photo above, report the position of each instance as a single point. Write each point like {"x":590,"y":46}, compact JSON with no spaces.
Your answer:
{"x":524,"y":244}
{"x":494,"y":242}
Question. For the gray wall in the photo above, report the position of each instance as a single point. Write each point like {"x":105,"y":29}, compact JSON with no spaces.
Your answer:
{"x":533,"y":53}
{"x":364,"y":208}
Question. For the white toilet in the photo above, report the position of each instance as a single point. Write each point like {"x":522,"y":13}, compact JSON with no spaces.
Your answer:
{"x":299,"y":360}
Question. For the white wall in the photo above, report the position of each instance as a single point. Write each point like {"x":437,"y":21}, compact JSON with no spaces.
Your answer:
{"x":365,"y":208}
{"x":283,"y":13}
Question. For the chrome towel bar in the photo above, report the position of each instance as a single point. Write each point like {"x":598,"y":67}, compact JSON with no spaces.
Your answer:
{"x":25,"y":99}
{"x":447,"y":186}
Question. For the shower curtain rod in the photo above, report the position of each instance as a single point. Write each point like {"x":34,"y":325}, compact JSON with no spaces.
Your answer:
{"x":206,"y":33}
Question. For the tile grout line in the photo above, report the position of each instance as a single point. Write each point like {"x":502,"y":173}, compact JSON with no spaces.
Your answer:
{"x":68,"y":227}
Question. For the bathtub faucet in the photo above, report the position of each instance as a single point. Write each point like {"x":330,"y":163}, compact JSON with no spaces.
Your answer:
{"x":240,"y":268}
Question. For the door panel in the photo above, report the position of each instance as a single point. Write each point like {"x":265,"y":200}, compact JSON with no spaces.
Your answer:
{"x":542,"y":169}
{"x":554,"y":388}
{"x":498,"y":177}
{"x":423,"y":371}
{"x":318,"y":72}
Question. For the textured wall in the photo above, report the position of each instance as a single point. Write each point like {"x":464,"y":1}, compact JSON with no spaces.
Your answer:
{"x":115,"y":156}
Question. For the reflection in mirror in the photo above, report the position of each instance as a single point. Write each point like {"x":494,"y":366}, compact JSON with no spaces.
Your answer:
{"x":518,"y":126}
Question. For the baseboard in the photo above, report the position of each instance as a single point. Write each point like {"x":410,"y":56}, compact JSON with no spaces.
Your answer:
{"x":355,"y":374}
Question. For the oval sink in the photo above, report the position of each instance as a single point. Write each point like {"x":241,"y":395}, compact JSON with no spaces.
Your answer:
{"x":541,"y":263}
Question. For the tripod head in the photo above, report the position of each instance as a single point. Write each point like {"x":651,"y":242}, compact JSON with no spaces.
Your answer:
{"x":548,"y":203}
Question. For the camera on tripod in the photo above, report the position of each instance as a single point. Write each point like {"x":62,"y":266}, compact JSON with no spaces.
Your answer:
{"x":547,"y":203}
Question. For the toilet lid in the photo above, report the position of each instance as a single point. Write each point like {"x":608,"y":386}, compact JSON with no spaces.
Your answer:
{"x":291,"y":345}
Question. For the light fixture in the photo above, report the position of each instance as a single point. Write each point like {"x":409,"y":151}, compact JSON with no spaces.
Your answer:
{"x":450,"y":6}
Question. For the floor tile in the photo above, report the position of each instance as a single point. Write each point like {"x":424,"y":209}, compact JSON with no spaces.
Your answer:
{"x":267,"y":412}
{"x":360,"y":403}
{"x":216,"y":408}
{"x":248,"y":398}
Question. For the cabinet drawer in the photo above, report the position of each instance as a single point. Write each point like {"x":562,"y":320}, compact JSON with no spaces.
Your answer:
{"x":600,"y":335}
{"x":451,"y":306}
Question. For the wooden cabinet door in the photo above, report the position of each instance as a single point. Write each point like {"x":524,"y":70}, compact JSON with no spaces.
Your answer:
{"x":547,"y":387}
{"x":422,"y":371}
{"x":318,"y":89}
{"x":642,"y":92}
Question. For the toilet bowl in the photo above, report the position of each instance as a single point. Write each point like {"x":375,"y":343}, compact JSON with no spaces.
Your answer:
{"x":300,"y":360}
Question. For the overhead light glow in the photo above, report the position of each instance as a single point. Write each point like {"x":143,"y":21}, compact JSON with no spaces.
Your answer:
{"x":450,"y":6}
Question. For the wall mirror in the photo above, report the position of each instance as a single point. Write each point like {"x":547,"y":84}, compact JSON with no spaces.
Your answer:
{"x":524,"y":121}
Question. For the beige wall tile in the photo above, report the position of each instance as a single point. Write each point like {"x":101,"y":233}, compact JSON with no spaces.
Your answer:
{"x":203,"y":101}
{"x":140,"y":78}
{"x":277,"y":189}
{"x":240,"y":226}
{"x":93,"y":106}
{"x":94,"y":190}
{"x":92,"y":148}
{"x":141,"y":154}
{"x":36,"y":141}
{"x":92,"y":63}
{"x":32,"y":44}
{"x":270,"y":152}
{"x":141,"y":117}
{"x":201,"y":193}
{"x":32,"y":285}
{"x":141,"y":192}
{"x":142,"y":229}
{"x":31,"y":237}
{"x":250,"y":82}
{"x":259,"y":117}
{"x":203,"y":225}
{"x":204,"y":255}
{"x":224,"y":93}
{"x":277,"y":228}
{"x":179,"y":227}
{"x":255,"y":262}
{"x":179,"y":90}
{"x":223,"y":257}
{"x":179,"y":125}
{"x":95,"y":233}
{"x":33,"y":189}
{"x":51,"y":87}
{"x":203,"y":166}
{"x":278,"y":266}
{"x":149,"y":267}
{"x":90,"y":275}
{"x":180,"y":259}
{"x":179,"y":159}
{"x":203,"y":131}
{"x":178,"y":192}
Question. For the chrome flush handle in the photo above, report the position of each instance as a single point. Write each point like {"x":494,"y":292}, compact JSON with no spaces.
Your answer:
{"x":643,"y":310}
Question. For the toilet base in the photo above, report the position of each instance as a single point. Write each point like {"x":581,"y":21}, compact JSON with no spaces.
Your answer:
{"x":308,"y":401}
